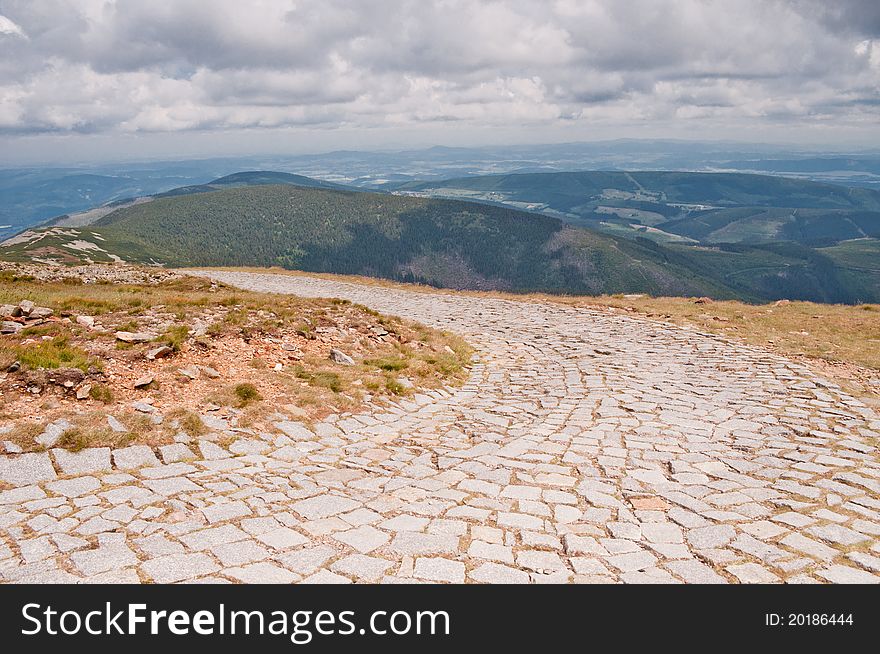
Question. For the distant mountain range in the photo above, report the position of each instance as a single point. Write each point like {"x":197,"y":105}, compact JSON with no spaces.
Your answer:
{"x":675,"y":206}
{"x":724,"y":235}
{"x":30,"y":195}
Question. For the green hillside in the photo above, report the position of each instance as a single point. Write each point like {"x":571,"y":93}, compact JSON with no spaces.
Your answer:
{"x":450,"y":243}
{"x":705,"y":207}
{"x":250,"y":178}
{"x":441,"y":242}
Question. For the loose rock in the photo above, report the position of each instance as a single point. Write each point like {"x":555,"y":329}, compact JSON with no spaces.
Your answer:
{"x":338,"y":356}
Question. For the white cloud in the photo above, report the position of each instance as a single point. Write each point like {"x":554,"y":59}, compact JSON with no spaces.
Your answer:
{"x":8,"y":28}
{"x":175,"y":65}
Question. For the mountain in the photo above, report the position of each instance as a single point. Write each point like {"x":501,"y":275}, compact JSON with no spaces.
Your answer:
{"x":248,"y":178}
{"x":31,"y":195}
{"x":440,"y":242}
{"x":251,"y":178}
{"x":481,"y":245}
{"x":708,"y":208}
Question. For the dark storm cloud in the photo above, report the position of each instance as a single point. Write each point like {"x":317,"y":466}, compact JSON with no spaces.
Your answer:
{"x":171,"y":65}
{"x":852,"y":16}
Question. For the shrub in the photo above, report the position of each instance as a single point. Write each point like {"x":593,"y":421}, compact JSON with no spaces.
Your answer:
{"x":247,"y":393}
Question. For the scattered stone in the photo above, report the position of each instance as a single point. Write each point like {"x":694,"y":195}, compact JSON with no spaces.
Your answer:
{"x":192,"y":372}
{"x":82,"y":393}
{"x":159,"y":353}
{"x":143,"y":382}
{"x":210,"y":372}
{"x":115,"y":425}
{"x":10,"y":327}
{"x":134,"y":337}
{"x":340,"y":357}
{"x":85,"y":321}
{"x":40,"y":313}
{"x":52,"y":433}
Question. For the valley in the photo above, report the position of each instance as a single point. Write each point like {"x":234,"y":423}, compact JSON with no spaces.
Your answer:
{"x":727,"y":236}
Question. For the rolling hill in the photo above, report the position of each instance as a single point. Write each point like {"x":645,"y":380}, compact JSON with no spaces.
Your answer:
{"x":247,"y":178}
{"x":708,"y":208}
{"x":244,"y":221}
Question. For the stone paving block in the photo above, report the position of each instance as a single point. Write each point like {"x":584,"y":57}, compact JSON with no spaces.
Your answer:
{"x":439,"y":569}
{"x":364,"y":568}
{"x":225,"y":511}
{"x":74,"y":487}
{"x":323,"y":506}
{"x":752,"y":573}
{"x":282,"y":538}
{"x":175,"y":453}
{"x":842,"y":574}
{"x":326,"y":577}
{"x":406,"y":542}
{"x":240,"y":553}
{"x":364,"y":539}
{"x":179,"y":567}
{"x":172,"y":486}
{"x":133,"y":457}
{"x":203,"y":539}
{"x":490,"y":552}
{"x":89,"y":460}
{"x":262,"y":573}
{"x":494,"y":573}
{"x":307,"y":560}
{"x":25,"y":469}
{"x":102,"y":559}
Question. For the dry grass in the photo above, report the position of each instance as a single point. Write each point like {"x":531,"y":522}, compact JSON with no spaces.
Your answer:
{"x":255,"y":375}
{"x":839,"y":341}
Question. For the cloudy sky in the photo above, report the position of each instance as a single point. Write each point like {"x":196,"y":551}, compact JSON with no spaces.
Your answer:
{"x":82,"y":78}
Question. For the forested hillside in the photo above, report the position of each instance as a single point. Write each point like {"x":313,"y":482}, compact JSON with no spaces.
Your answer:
{"x":447,"y":243}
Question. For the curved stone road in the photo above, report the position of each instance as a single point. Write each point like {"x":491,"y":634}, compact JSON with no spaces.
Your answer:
{"x":586,"y":447}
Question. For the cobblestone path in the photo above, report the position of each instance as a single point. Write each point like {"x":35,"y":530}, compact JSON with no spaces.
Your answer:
{"x":585,"y":447}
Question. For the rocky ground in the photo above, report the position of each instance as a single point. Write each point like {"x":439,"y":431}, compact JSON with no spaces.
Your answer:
{"x":124,"y":356}
{"x":586,"y":446}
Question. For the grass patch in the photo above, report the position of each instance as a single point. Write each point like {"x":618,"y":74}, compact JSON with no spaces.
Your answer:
{"x":74,"y":440}
{"x":189,"y":423}
{"x":320,"y":378}
{"x":394,"y":387}
{"x":246,"y":393}
{"x":174,"y":337}
{"x":390,"y":364}
{"x":55,"y":353}
{"x":101,"y":393}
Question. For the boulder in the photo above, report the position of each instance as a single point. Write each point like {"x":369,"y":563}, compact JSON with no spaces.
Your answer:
{"x":159,"y":352}
{"x":191,"y":372}
{"x":26,"y":306}
{"x":338,"y":356}
{"x":144,"y":381}
{"x":39,"y":313}
{"x":85,"y":321}
{"x":9,"y":327}
{"x":134,"y":337}
{"x":210,"y":372}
